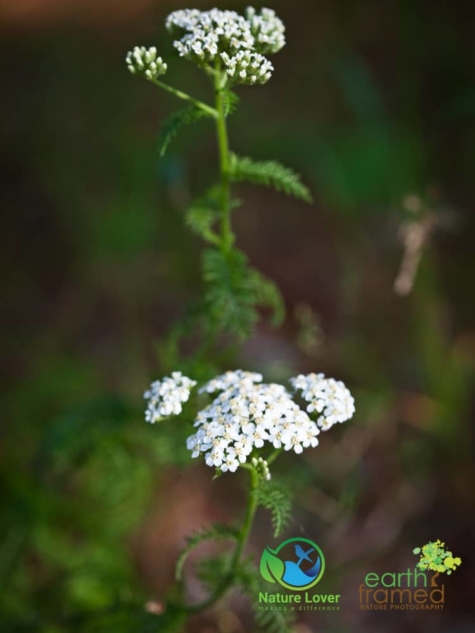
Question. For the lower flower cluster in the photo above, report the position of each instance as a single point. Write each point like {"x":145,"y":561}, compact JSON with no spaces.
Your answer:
{"x":246,"y":415}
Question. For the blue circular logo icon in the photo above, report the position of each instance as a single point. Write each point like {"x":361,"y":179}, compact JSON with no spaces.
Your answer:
{"x":297,"y":564}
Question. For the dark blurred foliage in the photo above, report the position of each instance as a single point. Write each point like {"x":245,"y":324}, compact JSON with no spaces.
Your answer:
{"x":373,"y":102}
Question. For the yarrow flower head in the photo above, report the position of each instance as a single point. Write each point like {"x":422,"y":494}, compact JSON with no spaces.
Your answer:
{"x":230,"y":378}
{"x":203,"y":35}
{"x":165,"y":397}
{"x":326,"y":396}
{"x":246,"y":415}
{"x":267,"y":29}
{"x":216,"y":36}
{"x":247,"y":68}
{"x":143,"y":61}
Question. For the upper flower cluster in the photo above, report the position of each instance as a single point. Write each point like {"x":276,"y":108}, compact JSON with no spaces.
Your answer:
{"x":245,"y":414}
{"x":215,"y":36}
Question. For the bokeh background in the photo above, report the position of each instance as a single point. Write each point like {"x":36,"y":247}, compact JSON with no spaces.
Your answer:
{"x":374,"y":103}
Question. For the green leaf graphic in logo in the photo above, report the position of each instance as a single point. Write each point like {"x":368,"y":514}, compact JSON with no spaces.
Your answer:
{"x":272,"y":568}
{"x":434,"y":557}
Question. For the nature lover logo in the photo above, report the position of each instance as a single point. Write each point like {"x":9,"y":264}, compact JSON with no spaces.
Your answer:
{"x":297,"y":564}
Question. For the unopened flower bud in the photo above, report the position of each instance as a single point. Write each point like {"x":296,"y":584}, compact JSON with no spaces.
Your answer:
{"x":142,"y":61}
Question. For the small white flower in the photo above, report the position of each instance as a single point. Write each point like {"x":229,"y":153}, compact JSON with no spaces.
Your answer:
{"x":230,"y":463}
{"x":258,"y":435}
{"x":215,"y":458}
{"x":237,"y":453}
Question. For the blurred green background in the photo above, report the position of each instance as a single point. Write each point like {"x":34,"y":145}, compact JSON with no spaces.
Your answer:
{"x":375,"y":104}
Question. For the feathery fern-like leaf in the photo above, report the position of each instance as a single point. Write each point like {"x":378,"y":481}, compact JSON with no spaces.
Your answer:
{"x":216,"y":532}
{"x":212,"y":572}
{"x":251,"y":583}
{"x":230,"y":101}
{"x":172,"y":125}
{"x":268,"y":296}
{"x":203,"y":213}
{"x":229,"y":295}
{"x":270,"y":174}
{"x":278,"y":499}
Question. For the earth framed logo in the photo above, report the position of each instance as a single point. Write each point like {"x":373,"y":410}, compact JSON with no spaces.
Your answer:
{"x":297,"y":564}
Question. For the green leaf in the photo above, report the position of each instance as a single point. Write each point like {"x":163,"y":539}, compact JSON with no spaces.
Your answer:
{"x":175,"y":122}
{"x":229,"y":295}
{"x":212,"y":572}
{"x":270,"y":174}
{"x":215,"y":532}
{"x":234,"y":291}
{"x":268,"y":295}
{"x":278,"y":499}
{"x":203,"y":213}
{"x":230,"y":102}
{"x":272,"y":621}
{"x":74,"y":435}
{"x":272,"y":568}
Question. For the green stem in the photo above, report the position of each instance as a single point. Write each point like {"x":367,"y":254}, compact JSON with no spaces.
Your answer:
{"x":186,"y":97}
{"x":224,"y":158}
{"x":240,"y":546}
{"x":274,"y":455}
{"x":248,"y":518}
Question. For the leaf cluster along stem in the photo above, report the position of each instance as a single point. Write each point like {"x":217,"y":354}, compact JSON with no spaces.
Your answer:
{"x":243,"y":536}
{"x":219,"y":114}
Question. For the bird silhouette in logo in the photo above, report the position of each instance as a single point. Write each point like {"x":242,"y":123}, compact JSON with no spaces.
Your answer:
{"x":302,"y":554}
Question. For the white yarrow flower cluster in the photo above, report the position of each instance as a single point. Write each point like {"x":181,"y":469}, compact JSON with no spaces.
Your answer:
{"x":221,"y":383}
{"x":267,"y":29}
{"x":206,"y":37}
{"x":178,"y":22}
{"x":248,"y":68}
{"x":165,"y":397}
{"x":245,"y":416}
{"x":143,"y":61}
{"x":326,"y":396}
{"x":203,"y":35}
